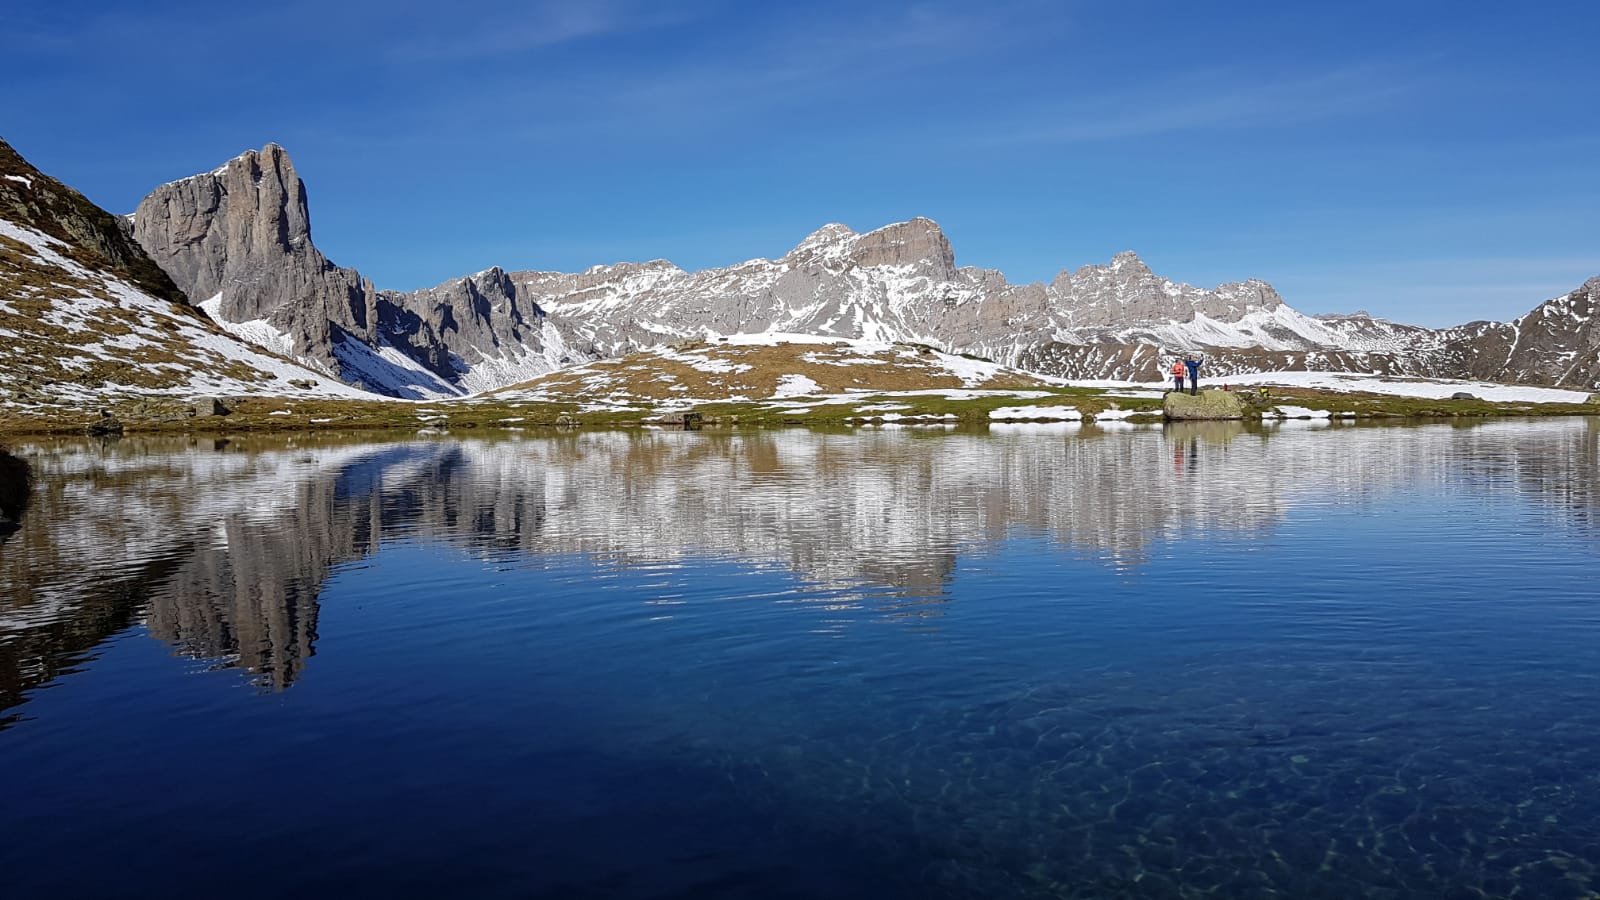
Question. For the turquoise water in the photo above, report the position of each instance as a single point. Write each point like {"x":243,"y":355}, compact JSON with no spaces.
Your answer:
{"x":1035,"y":662}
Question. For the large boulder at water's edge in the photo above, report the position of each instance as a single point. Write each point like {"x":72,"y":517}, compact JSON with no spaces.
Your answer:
{"x":1204,"y":405}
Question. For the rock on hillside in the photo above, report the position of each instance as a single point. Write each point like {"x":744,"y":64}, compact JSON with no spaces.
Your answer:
{"x":85,"y":314}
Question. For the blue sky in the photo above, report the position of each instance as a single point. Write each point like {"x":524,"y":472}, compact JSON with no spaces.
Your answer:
{"x":1429,"y":162}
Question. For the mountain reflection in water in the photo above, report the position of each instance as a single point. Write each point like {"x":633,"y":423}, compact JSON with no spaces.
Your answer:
{"x":220,"y":548}
{"x":1035,"y":661}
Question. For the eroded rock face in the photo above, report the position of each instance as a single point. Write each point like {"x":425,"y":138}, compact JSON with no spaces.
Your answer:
{"x":241,"y":234}
{"x":918,"y":243}
{"x":238,"y":239}
{"x":245,"y":223}
{"x":1126,"y":292}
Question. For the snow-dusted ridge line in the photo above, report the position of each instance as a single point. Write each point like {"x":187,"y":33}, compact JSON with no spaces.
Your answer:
{"x":80,"y":313}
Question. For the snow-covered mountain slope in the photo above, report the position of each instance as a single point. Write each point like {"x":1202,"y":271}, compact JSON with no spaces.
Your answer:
{"x":900,"y":283}
{"x":79,"y":321}
{"x":75,"y":334}
{"x":1557,"y":343}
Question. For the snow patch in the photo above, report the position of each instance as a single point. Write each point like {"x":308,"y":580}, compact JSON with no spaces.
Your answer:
{"x":796,"y":386}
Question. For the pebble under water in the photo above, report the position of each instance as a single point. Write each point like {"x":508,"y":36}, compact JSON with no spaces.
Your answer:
{"x":1299,"y":661}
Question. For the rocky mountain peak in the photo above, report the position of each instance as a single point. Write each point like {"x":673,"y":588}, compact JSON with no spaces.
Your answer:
{"x":1128,"y":262}
{"x":919,"y":242}
{"x":831,"y":233}
{"x":216,"y":229}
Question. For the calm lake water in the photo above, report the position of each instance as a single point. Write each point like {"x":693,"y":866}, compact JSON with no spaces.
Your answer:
{"x":1041,"y":661}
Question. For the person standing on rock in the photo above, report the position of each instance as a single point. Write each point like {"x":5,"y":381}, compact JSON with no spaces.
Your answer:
{"x":1193,"y":365}
{"x":1177,"y":375}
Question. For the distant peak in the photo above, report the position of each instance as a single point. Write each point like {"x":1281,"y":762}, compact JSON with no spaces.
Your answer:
{"x":827,"y":234}
{"x":918,"y":226}
{"x":1128,"y":260}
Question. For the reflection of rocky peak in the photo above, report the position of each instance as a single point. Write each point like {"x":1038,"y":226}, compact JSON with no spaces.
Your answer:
{"x":222,"y":551}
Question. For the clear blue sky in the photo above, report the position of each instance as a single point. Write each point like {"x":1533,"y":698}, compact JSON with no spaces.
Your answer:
{"x":1429,"y":162}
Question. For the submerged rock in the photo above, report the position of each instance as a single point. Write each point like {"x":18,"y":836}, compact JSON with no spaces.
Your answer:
{"x":1204,"y":405}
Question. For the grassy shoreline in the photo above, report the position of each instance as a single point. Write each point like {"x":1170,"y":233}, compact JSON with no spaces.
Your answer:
{"x":286,"y":414}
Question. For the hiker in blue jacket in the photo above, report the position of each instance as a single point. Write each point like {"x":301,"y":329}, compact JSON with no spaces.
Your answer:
{"x":1193,"y":365}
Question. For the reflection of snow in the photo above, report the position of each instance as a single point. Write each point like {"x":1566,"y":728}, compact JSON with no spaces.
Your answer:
{"x":1062,"y":413}
{"x":873,"y":506}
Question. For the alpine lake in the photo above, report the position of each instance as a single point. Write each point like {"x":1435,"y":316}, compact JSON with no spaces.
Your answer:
{"x":1310,"y":660}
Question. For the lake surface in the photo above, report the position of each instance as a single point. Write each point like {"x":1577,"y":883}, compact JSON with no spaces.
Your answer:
{"x":1041,"y":661}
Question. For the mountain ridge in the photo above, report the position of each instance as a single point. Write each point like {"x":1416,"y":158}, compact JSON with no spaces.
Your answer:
{"x":898,"y":282}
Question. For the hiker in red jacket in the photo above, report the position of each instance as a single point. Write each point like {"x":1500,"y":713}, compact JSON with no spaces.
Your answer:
{"x":1177,"y":375}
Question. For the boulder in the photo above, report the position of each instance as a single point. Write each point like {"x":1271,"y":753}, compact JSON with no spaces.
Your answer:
{"x":1204,"y":405}
{"x":107,"y":424}
{"x":1594,"y":398}
{"x":208,"y":406}
{"x":1462,"y":395}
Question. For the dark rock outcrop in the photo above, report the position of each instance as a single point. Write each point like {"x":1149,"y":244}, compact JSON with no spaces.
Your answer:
{"x":16,"y":491}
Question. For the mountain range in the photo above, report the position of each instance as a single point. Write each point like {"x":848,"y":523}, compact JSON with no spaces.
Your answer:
{"x":236,"y":242}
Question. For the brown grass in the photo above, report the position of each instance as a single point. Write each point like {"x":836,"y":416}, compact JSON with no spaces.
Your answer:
{"x":835,"y":368}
